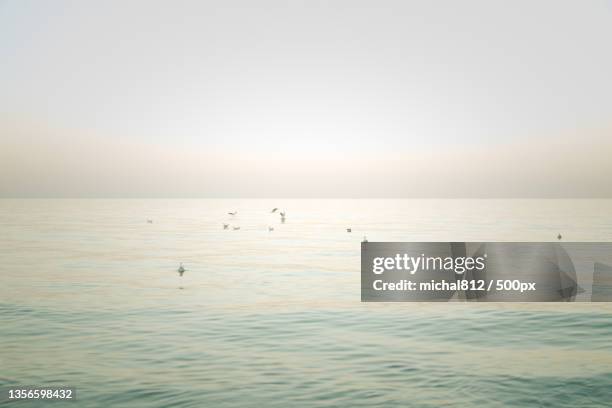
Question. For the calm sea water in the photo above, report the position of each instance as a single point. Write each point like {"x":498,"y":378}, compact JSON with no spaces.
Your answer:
{"x":90,"y":297}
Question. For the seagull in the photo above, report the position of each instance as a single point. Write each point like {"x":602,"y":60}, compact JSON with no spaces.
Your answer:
{"x":233,"y":213}
{"x":181,"y":270}
{"x":282,"y":214}
{"x":236,"y":228}
{"x":274,"y":210}
{"x":149,"y":221}
{"x":270,"y":229}
{"x":365,"y":239}
{"x":225,"y":226}
{"x":349,"y":230}
{"x":559,"y":237}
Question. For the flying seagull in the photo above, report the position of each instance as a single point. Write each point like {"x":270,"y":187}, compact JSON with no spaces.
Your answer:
{"x":181,"y":270}
{"x":225,"y":226}
{"x":274,"y":210}
{"x":233,"y":213}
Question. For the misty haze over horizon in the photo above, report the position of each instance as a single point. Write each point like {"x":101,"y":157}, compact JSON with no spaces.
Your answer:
{"x":336,"y":99}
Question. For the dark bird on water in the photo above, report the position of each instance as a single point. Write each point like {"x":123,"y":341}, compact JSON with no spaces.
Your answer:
{"x":181,"y":270}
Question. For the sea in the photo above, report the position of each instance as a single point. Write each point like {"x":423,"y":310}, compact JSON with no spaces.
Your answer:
{"x":90,"y":298}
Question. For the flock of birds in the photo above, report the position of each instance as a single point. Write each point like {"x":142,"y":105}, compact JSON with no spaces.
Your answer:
{"x":226,"y":226}
{"x":283,"y":217}
{"x":181,"y":269}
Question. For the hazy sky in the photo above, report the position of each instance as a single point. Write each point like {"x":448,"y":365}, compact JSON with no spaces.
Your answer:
{"x":305,"y":98}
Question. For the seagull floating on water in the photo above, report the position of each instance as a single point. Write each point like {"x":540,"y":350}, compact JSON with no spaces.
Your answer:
{"x":225,"y":226}
{"x":181,"y":270}
{"x":233,"y":213}
{"x":349,"y":230}
{"x":559,"y":237}
{"x":236,"y":228}
{"x":270,"y":229}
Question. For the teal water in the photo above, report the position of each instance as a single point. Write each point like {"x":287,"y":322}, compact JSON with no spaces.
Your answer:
{"x":89,"y":297}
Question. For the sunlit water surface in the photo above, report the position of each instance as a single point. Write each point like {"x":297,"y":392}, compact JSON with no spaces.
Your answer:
{"x":90,"y":297}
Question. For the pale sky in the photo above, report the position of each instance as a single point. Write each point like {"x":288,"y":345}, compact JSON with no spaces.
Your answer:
{"x":305,"y":98}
